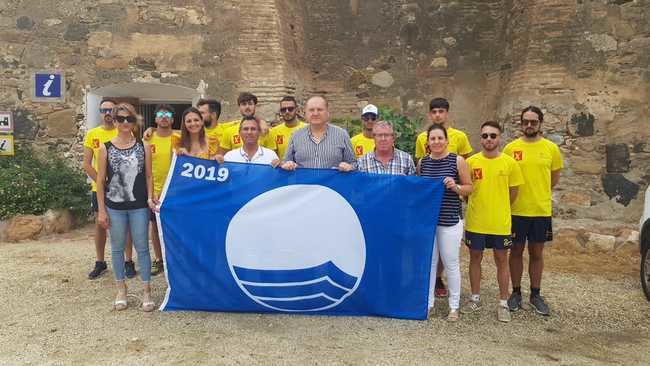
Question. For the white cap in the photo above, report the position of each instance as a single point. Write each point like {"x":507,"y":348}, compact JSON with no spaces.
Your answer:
{"x":370,"y":108}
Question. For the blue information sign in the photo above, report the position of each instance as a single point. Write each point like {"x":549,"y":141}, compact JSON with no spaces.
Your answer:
{"x":48,"y":86}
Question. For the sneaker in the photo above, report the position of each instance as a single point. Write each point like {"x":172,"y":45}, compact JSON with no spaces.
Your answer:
{"x":539,"y":305}
{"x":441,"y":292}
{"x":453,"y":316}
{"x":471,"y":307}
{"x":100,"y":267}
{"x":514,"y":302}
{"x":503,"y":314}
{"x":129,"y":269}
{"x":157,"y":267}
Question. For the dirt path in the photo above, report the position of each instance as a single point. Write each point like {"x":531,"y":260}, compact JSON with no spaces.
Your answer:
{"x":53,"y":315}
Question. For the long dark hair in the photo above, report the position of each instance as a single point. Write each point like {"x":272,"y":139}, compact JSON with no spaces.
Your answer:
{"x":185,"y":134}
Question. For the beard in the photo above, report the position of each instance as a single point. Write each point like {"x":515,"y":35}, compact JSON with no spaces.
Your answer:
{"x":529,"y":133}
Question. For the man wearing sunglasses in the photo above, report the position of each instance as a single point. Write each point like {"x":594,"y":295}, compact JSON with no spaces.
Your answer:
{"x":540,"y":162}
{"x":231,"y":139}
{"x":95,"y":138}
{"x":279,"y":136}
{"x":160,"y":144}
{"x":364,"y":142}
{"x":496,"y":178}
{"x":458,"y":143}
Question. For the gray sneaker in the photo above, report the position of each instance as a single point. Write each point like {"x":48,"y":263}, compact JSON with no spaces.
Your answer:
{"x":539,"y":305}
{"x":503,"y":314}
{"x":514,"y":302}
{"x":471,"y":307}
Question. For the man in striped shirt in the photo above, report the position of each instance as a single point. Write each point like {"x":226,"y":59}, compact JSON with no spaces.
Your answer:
{"x":386,"y":159}
{"x":320,"y":145}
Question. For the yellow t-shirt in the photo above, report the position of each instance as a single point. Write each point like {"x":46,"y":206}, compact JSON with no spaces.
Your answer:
{"x":96,"y":137}
{"x":488,"y":210}
{"x":361,"y":145}
{"x":278,"y":137}
{"x":161,"y":159}
{"x":215,"y":133}
{"x":231,"y":140}
{"x":458,"y":143}
{"x":537,"y":160}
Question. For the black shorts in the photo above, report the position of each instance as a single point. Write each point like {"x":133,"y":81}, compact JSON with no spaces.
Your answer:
{"x":531,"y":229}
{"x":93,"y":202}
{"x":478,"y":241}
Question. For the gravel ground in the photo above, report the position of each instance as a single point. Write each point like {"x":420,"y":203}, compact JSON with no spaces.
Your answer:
{"x":54,"y":315}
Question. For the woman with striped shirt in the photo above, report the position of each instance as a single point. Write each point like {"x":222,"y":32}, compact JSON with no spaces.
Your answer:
{"x":440,"y":163}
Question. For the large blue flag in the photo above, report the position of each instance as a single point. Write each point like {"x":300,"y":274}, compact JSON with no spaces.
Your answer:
{"x":250,"y":238}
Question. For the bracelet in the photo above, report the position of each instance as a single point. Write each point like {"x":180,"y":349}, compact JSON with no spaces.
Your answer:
{"x":458,"y":186}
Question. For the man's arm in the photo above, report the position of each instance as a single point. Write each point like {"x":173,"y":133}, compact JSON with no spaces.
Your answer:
{"x":555,"y":178}
{"x":88,"y":164}
{"x":513,"y":194}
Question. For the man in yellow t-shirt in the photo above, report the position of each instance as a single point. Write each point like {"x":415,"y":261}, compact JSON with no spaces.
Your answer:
{"x":496,"y":178}
{"x":540,"y":162}
{"x":364,"y":142}
{"x":95,"y":138}
{"x":210,"y":111}
{"x":439,"y":114}
{"x":458,"y":143}
{"x":160,"y":144}
{"x":231,"y":139}
{"x":279,"y":136}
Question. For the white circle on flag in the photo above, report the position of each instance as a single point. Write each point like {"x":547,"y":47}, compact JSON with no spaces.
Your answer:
{"x":296,"y":248}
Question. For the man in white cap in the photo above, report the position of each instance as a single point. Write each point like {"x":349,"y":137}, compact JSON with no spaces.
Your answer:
{"x":364,"y":142}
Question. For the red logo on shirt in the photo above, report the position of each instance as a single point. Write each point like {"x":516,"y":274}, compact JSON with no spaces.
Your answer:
{"x":279,"y":139}
{"x":518,"y":155}
{"x":96,"y":143}
{"x":153,"y":148}
{"x":477,"y":173}
{"x":359,"y":150}
{"x":236,"y":139}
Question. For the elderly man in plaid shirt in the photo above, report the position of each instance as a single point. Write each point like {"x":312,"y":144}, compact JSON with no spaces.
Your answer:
{"x":386,"y":159}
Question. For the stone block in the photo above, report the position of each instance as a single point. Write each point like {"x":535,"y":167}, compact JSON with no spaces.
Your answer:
{"x":23,"y":227}
{"x":24,"y":23}
{"x":627,"y":238}
{"x":601,"y":242}
{"x":618,"y":158}
{"x":62,"y":124}
{"x":582,"y":199}
{"x":583,"y":124}
{"x":100,"y":39}
{"x":58,"y":221}
{"x":602,"y":42}
{"x":24,"y":125}
{"x":114,"y":63}
{"x":76,"y":32}
{"x":52,"y":22}
{"x":586,"y":166}
{"x":439,"y":63}
{"x":382,"y":79}
{"x":642,"y":147}
{"x":616,"y":186}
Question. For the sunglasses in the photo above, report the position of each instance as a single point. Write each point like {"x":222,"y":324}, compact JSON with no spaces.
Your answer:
{"x":369,"y":117}
{"x":493,"y":136}
{"x":123,"y":119}
{"x":105,"y":110}
{"x":162,"y":114}
{"x":287,"y":109}
{"x":531,"y":122}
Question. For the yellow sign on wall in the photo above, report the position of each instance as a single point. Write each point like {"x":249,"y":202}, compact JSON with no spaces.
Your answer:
{"x":6,"y":145}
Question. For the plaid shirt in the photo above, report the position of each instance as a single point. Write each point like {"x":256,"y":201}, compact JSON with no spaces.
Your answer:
{"x":400,"y":164}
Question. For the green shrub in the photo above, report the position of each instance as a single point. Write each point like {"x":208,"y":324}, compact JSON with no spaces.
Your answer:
{"x":31,"y":184}
{"x":406,"y":130}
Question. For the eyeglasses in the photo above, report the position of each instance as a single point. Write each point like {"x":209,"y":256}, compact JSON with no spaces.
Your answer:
{"x":105,"y":110}
{"x":493,"y":136}
{"x":369,"y":117}
{"x":531,"y":122}
{"x":123,"y":119}
{"x":287,"y":109}
{"x":161,"y":114}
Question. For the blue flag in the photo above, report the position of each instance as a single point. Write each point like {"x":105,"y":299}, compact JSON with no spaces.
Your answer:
{"x":250,"y":238}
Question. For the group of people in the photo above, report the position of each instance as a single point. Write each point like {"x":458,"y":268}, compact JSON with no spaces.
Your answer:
{"x":508,"y":193}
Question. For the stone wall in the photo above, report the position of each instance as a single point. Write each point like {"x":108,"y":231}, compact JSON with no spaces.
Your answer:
{"x":587,"y":63}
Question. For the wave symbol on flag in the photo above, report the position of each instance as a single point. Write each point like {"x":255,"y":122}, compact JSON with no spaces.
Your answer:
{"x":298,"y":289}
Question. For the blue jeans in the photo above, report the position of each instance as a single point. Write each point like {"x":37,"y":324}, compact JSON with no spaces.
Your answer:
{"x":138,"y":221}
